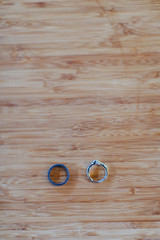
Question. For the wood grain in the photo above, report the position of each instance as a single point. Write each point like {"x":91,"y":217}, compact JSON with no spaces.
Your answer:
{"x":80,"y":80}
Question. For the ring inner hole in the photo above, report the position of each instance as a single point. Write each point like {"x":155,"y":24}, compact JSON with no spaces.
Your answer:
{"x":97,"y":172}
{"x":58,"y":174}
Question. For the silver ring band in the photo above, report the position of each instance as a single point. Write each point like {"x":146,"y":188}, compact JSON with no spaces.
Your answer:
{"x":96,"y":162}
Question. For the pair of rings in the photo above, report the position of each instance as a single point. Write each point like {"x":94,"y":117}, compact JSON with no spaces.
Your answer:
{"x":95,"y":162}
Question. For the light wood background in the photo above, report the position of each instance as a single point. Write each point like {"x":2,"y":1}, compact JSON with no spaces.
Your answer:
{"x":80,"y":80}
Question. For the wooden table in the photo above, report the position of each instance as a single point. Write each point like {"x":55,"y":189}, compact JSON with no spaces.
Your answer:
{"x":80,"y":80}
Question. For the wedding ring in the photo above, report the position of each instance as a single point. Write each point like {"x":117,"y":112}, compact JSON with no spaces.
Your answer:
{"x":60,"y":166}
{"x":98,"y":163}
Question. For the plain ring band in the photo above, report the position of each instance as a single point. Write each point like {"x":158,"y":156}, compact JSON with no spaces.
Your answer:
{"x":96,"y":162}
{"x":62,"y":166}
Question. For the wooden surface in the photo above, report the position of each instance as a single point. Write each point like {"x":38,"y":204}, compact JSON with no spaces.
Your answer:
{"x":80,"y":80}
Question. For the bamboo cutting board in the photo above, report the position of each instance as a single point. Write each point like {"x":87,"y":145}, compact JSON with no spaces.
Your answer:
{"x":79,"y":81}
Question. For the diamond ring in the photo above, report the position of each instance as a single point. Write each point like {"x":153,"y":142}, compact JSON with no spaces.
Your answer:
{"x":100,"y":164}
